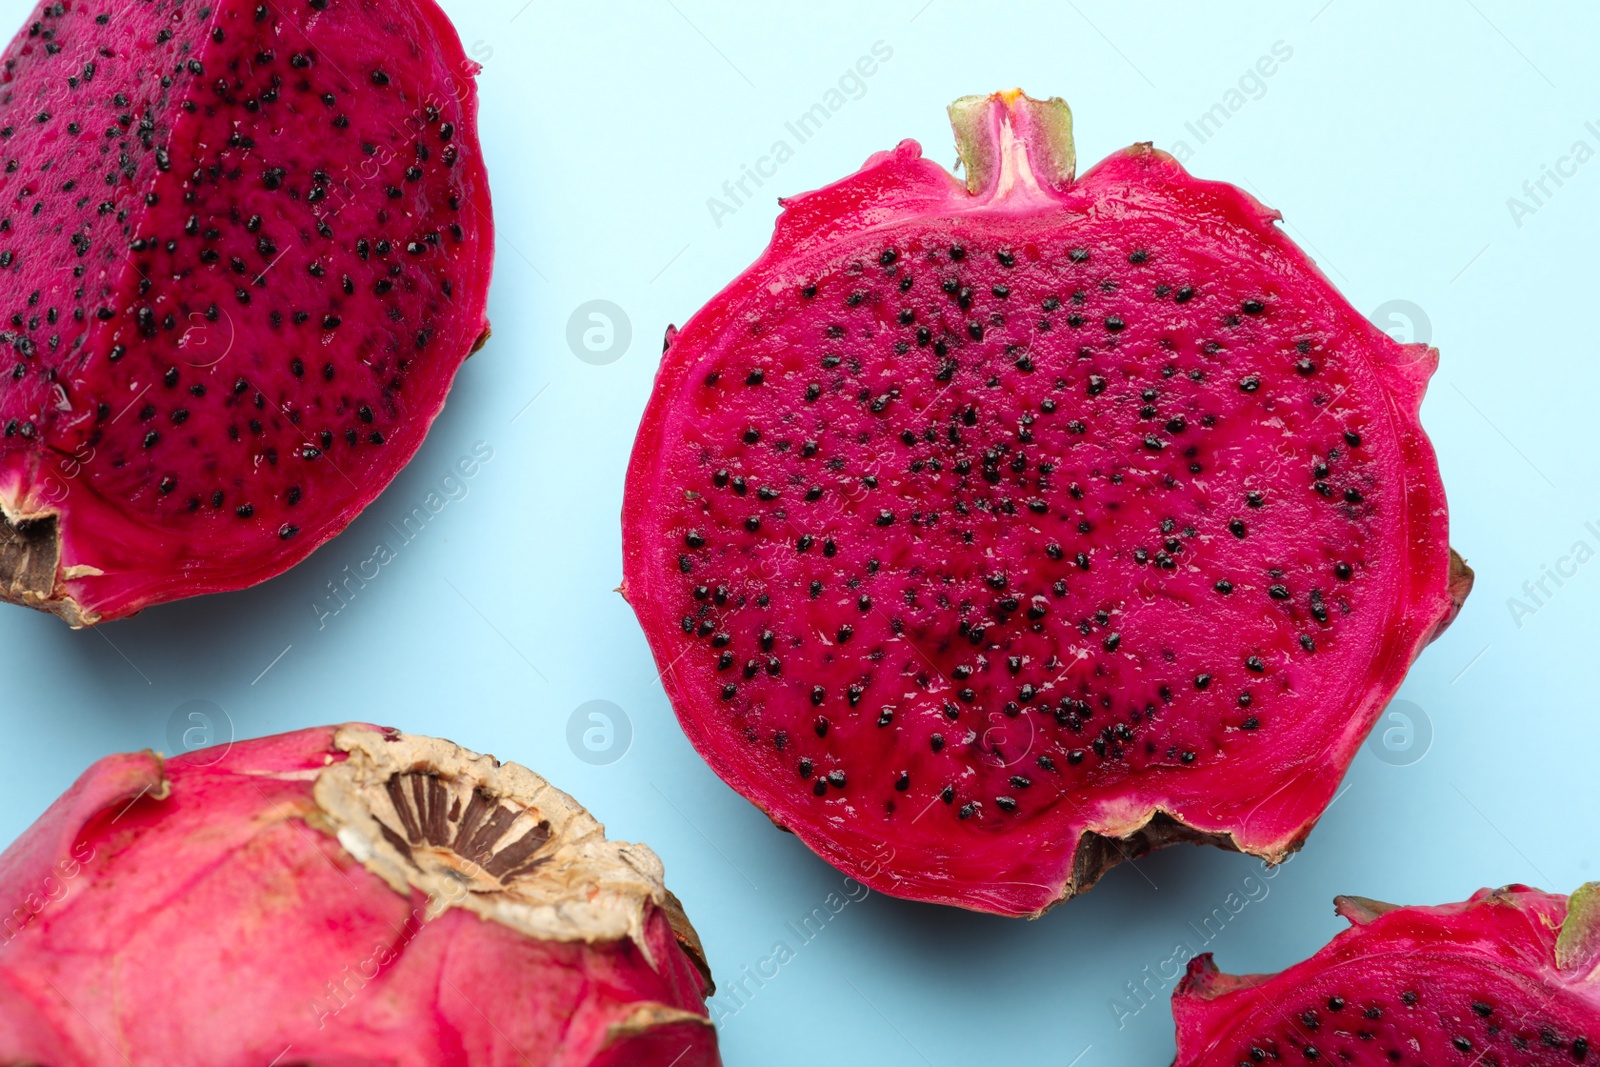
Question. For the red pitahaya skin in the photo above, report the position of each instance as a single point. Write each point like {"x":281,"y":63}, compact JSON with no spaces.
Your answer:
{"x":988,"y":534}
{"x":208,"y":910}
{"x":244,"y":248}
{"x":1508,"y":977}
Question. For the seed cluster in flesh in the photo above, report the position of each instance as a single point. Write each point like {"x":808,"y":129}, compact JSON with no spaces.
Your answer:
{"x":971,"y":524}
{"x":1497,"y":1020}
{"x":230,"y":239}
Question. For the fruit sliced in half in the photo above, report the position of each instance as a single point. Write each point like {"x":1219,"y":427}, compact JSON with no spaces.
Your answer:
{"x":1508,"y":977}
{"x":244,"y":247}
{"x":988,"y":534}
{"x":369,"y":896}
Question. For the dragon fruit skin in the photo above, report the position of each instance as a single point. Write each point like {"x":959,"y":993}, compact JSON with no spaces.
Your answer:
{"x":1508,"y":977}
{"x":203,"y":911}
{"x":244,"y":248}
{"x":1174,"y":617}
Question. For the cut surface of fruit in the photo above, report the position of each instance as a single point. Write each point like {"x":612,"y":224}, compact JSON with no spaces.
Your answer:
{"x":987,"y":534}
{"x":1505,"y":978}
{"x":244,"y":248}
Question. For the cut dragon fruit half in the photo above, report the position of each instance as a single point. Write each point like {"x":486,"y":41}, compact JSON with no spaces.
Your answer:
{"x":987,"y":533}
{"x":244,"y":248}
{"x":1509,"y":977}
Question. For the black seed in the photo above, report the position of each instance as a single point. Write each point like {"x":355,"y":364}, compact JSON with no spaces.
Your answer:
{"x":1253,"y":663}
{"x":1202,"y":680}
{"x":1224,"y":587}
{"x":244,"y":511}
{"x":1236,"y":527}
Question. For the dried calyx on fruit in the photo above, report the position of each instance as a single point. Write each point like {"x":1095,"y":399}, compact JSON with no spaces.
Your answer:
{"x":989,"y":533}
{"x":1510,"y":977}
{"x":244,"y":248}
{"x":370,"y":895}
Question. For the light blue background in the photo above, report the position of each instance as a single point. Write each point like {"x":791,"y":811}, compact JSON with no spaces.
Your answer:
{"x":1391,"y":140}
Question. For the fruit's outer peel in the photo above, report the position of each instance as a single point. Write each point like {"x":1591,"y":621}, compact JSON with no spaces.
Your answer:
{"x":275,"y":873}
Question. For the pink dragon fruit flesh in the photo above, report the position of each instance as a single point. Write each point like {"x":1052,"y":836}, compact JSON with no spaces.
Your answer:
{"x":1509,"y":978}
{"x":988,"y":533}
{"x":244,"y":247}
{"x":346,"y":897}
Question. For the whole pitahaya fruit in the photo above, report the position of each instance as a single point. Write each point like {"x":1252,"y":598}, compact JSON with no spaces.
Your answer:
{"x":986,"y":535}
{"x":1510,"y":977}
{"x":244,"y":247}
{"x":343,"y":895}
